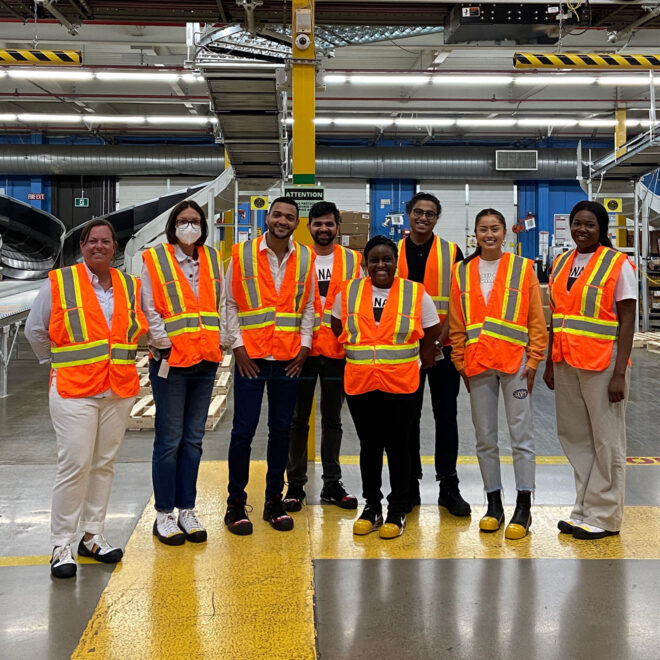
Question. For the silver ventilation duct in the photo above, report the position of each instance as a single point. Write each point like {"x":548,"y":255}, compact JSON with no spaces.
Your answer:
{"x":364,"y":163}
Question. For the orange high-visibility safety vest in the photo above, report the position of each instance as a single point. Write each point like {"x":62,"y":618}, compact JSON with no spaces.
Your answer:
{"x":437,"y":273}
{"x":496,"y":333}
{"x":270,"y":321}
{"x":346,"y":266}
{"x":584,"y":324}
{"x":383,"y":357}
{"x":87,"y":356}
{"x":192,"y":323}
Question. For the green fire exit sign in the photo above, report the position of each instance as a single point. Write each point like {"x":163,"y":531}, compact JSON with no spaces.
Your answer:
{"x":81,"y":202}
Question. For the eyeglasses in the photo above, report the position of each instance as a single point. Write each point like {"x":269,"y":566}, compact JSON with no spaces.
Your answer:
{"x":420,"y":213}
{"x":192,"y":223}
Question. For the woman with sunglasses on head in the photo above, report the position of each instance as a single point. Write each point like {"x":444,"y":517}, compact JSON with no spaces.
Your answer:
{"x":593,"y":293}
{"x":498,"y":336}
{"x":386,"y":325}
{"x":182,"y":290}
{"x":85,"y":322}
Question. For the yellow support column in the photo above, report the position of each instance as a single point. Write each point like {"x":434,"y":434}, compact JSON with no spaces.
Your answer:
{"x":304,"y":136}
{"x":620,"y":136}
{"x":228,"y":219}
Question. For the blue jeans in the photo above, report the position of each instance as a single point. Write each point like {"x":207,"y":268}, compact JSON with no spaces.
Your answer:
{"x":182,"y":404}
{"x":248,"y":394}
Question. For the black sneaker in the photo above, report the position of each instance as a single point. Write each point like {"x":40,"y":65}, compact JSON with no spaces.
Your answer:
{"x":370,"y":520}
{"x":275,"y":514}
{"x":393,"y":526}
{"x":293,"y":500}
{"x":450,"y":497}
{"x":236,"y":518}
{"x":336,"y":494}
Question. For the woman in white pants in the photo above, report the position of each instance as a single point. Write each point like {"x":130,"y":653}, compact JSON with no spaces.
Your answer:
{"x":593,"y":290}
{"x":85,"y":322}
{"x":498,"y":337}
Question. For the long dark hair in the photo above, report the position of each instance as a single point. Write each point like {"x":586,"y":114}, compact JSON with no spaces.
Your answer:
{"x":481,"y":214}
{"x":170,"y":227}
{"x":601,"y":215}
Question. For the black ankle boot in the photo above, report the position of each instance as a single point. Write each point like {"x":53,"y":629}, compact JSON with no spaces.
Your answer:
{"x":450,"y":497}
{"x":494,"y":517}
{"x":522,"y":516}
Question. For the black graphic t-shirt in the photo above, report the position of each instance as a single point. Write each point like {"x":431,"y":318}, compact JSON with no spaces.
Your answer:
{"x":324,"y":273}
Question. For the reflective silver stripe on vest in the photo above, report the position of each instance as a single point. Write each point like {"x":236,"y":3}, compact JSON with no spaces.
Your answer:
{"x":473,"y":332}
{"x":255,"y":320}
{"x":513,"y":289}
{"x":176,"y":325}
{"x":405,"y":320}
{"x":288,"y":322}
{"x":249,"y":278}
{"x":327,"y":317}
{"x":504,"y":331}
{"x":441,"y":305}
{"x":595,"y":284}
{"x":445,"y":253}
{"x":133,"y":325}
{"x":122,"y":354}
{"x":212,"y":257}
{"x":210,"y":319}
{"x":72,"y":355}
{"x":72,"y":308}
{"x":349,"y":256}
{"x":375,"y":355}
{"x":462,"y":285}
{"x":557,"y":268}
{"x":304,"y":256}
{"x":351,"y":304}
{"x":170,"y":283}
{"x":608,"y":330}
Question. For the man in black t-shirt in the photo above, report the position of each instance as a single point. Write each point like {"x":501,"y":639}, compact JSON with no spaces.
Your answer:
{"x":426,"y":258}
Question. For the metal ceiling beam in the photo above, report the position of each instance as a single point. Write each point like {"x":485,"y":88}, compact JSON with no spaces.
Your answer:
{"x":12,"y":11}
{"x":221,"y":9}
{"x":48,"y":5}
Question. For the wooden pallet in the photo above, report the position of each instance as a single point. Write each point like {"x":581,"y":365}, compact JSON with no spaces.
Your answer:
{"x":653,"y":347}
{"x":143,"y":414}
{"x":641,"y":339}
{"x":221,"y":386}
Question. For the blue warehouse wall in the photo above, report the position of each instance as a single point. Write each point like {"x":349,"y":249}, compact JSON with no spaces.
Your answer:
{"x":389,"y":196}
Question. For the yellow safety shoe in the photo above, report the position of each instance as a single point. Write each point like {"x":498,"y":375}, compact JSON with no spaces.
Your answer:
{"x":490,"y":524}
{"x":394,"y":526}
{"x":522,"y":517}
{"x":494,"y":517}
{"x":370,"y":520}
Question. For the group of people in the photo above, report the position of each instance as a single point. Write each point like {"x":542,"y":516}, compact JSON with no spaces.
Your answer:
{"x":295,"y":314}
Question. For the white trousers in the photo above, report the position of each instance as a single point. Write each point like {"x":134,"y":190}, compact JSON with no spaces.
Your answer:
{"x":592,"y":433}
{"x":484,"y":396}
{"x":89,"y":432}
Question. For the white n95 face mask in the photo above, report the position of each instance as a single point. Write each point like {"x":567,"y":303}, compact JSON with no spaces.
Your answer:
{"x":188,"y":234}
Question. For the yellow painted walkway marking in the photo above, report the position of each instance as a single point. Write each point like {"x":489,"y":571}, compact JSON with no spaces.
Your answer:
{"x":233,"y":597}
{"x":38,"y":560}
{"x":507,"y":460}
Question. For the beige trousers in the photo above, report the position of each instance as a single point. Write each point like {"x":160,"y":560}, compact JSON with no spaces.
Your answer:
{"x":592,"y":433}
{"x":89,"y":432}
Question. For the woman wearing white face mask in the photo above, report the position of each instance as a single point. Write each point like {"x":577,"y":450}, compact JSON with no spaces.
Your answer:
{"x":182,"y":294}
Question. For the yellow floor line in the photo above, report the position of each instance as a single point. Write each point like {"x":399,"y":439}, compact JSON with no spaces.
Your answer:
{"x":38,"y":560}
{"x":233,"y":597}
{"x":508,"y":460}
{"x":432,"y":533}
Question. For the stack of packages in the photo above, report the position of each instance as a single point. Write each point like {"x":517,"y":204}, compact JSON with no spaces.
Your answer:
{"x":354,"y":229}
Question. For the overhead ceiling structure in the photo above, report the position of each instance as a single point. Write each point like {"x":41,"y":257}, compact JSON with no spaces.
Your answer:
{"x":414,"y":73}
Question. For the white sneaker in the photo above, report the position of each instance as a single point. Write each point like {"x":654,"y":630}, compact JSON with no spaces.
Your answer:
{"x":98,"y":548}
{"x":62,"y":563}
{"x":192,"y":528}
{"x":166,"y":529}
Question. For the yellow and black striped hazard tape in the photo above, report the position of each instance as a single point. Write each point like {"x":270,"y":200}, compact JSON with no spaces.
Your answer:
{"x":585,"y":61}
{"x":41,"y":57}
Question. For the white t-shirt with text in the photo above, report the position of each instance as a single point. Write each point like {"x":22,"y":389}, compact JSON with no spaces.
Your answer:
{"x":323,"y":264}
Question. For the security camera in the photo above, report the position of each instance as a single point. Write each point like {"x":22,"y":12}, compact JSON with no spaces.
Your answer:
{"x":302,"y":41}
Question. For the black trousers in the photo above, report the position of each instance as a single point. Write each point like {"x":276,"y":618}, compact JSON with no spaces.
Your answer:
{"x":445,"y":383}
{"x":382,"y":421}
{"x":330,"y":372}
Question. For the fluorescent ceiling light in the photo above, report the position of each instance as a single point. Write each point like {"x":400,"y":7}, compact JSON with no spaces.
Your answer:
{"x":390,"y":80}
{"x":335,"y":79}
{"x":486,"y":122}
{"x":164,"y":119}
{"x":7,"y":117}
{"x":595,"y":123}
{"x":136,"y":77}
{"x":471,"y":80}
{"x":50,"y":74}
{"x":31,"y":117}
{"x":648,"y":122}
{"x":363,"y":121}
{"x":2,"y":73}
{"x":191,"y":77}
{"x":425,"y":121}
{"x":322,"y":121}
{"x":555,"y":80}
{"x":625,"y":80}
{"x":546,"y":121}
{"x":113,"y":119}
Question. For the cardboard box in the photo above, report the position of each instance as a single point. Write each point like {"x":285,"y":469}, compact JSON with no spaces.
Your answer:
{"x":354,"y":228}
{"x":354,"y":216}
{"x":355,"y":242}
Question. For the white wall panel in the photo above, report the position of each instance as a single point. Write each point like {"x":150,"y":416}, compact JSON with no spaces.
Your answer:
{"x":347,"y":194}
{"x":483,"y":194}
{"x":133,"y":190}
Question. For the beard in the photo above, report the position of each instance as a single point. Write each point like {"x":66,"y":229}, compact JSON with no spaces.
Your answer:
{"x":324,"y":239}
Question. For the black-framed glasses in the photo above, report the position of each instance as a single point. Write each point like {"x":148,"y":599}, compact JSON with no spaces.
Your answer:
{"x":192,"y":223}
{"x":420,"y":213}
